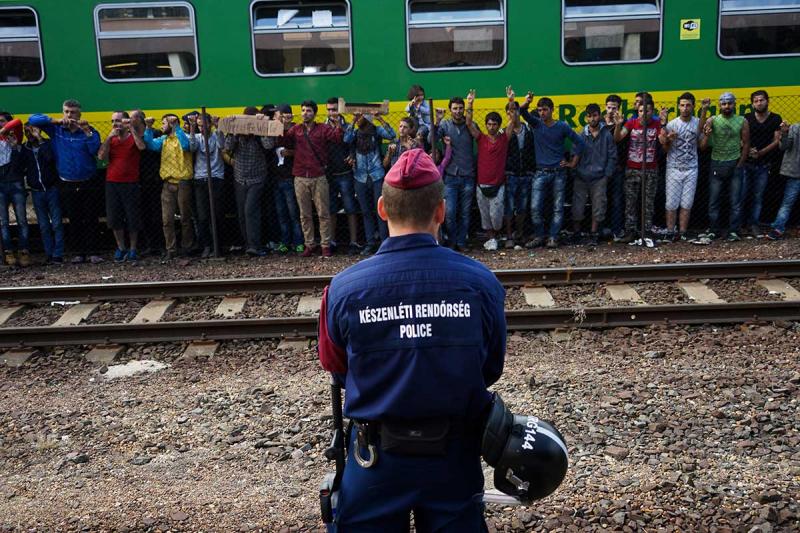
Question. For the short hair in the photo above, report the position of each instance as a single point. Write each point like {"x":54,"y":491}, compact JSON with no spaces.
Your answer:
{"x":71,"y":102}
{"x":494,"y":116}
{"x":333,"y":100}
{"x":412,"y":206}
{"x":412,"y":124}
{"x":687,"y":96}
{"x":455,"y":100}
{"x":760,"y":92}
{"x":414,"y":90}
{"x":641,"y":95}
{"x":513,"y":104}
{"x":647,"y":102}
{"x":6,"y":115}
{"x":121,"y":112}
{"x":250,"y":110}
{"x":592,"y":108}
{"x":545,"y":102}
{"x":309,"y":103}
{"x":614,"y":98}
{"x":168,"y":115}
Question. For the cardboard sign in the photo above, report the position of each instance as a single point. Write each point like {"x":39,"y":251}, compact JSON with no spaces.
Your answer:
{"x":250,"y":125}
{"x":690,"y":29}
{"x":364,"y":109}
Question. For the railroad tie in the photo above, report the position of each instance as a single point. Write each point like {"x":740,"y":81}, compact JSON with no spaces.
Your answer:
{"x":154,"y":311}
{"x":309,"y":305}
{"x":230,"y":306}
{"x":777,"y":286}
{"x":700,"y":292}
{"x":16,"y":358}
{"x":538,"y":297}
{"x":7,"y":313}
{"x":103,"y":353}
{"x":199,"y":349}
{"x":76,"y":314}
{"x":623,"y":292}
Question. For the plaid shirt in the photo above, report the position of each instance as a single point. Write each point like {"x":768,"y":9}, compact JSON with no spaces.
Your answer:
{"x":249,"y":155}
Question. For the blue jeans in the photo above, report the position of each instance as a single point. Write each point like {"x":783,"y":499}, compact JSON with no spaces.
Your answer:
{"x":48,"y":215}
{"x":542,"y":181}
{"x":458,"y":194}
{"x":790,"y":194}
{"x":342,"y":186}
{"x":13,"y":193}
{"x":368,"y":194}
{"x":755,"y":176}
{"x":722,"y":172}
{"x":288,"y":212}
{"x":518,"y":194}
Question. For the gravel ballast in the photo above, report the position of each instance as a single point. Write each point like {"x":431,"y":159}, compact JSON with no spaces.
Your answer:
{"x":669,"y":429}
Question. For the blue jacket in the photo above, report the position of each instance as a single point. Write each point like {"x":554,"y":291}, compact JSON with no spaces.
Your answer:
{"x":415,"y":331}
{"x":599,"y":156}
{"x":549,"y":140}
{"x":41,"y":172}
{"x":76,"y":152}
{"x":368,"y":164}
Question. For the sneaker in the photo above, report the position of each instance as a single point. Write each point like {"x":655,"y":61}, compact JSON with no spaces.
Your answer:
{"x":132,"y":255}
{"x":552,"y":242}
{"x":56,"y":260}
{"x":354,"y":249}
{"x":120,"y":255}
{"x":703,"y":239}
{"x":755,"y":231}
{"x":10,"y":258}
{"x":252,"y":252}
{"x":206,"y":253}
{"x":309,"y":251}
{"x":300,"y":248}
{"x":618,"y":236}
{"x":508,"y":244}
{"x":368,"y":250}
{"x":535,"y":242}
{"x":594,"y":239}
{"x":682,"y":237}
{"x":96,"y":259}
{"x":627,"y":238}
{"x":169,"y":255}
{"x":490,"y":245}
{"x":733,"y":237}
{"x":327,"y":251}
{"x":282,"y":248}
{"x":78,"y":259}
{"x":774,"y":235}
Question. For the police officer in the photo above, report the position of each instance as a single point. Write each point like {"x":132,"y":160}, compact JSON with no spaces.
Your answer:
{"x":415,"y":335}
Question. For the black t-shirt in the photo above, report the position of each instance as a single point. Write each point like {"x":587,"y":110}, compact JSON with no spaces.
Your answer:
{"x":762,"y":134}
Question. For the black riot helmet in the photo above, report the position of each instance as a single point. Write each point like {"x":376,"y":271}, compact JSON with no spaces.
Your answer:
{"x":529,"y":455}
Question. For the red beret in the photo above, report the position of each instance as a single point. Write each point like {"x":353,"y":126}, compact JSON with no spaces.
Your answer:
{"x":413,"y":170}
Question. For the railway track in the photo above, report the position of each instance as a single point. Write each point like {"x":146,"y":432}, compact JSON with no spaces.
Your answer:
{"x":13,"y":300}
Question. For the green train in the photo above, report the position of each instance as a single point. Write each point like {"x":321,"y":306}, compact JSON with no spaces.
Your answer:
{"x":179,"y":55}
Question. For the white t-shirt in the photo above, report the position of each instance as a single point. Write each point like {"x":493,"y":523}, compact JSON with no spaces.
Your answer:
{"x":683,"y":152}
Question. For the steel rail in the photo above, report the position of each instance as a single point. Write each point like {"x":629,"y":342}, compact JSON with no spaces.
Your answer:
{"x":509,"y":278}
{"x":270,"y":328}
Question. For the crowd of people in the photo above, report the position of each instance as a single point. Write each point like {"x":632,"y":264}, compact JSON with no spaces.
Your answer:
{"x":317,"y":168}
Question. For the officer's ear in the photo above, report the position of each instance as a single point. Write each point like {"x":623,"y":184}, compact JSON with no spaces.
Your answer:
{"x":382,"y":209}
{"x":438,"y":213}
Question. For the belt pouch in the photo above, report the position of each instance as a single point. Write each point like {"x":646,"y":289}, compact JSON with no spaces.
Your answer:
{"x":415,"y":437}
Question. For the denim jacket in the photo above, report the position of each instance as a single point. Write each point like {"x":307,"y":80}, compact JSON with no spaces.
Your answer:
{"x":369,"y":164}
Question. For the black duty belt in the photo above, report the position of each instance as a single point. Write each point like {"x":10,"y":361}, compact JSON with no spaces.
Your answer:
{"x":420,"y":437}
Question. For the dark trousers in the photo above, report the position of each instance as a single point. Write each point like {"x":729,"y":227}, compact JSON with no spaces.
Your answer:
{"x":81,"y":203}
{"x":203,"y":209}
{"x":248,"y":206}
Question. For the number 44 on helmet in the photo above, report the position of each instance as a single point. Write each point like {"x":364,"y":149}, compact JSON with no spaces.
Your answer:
{"x":529,"y":455}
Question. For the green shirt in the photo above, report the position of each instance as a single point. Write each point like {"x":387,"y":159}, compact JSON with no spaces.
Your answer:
{"x":726,"y":138}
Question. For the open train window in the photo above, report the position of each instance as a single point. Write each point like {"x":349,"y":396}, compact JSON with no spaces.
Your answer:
{"x":146,"y":41}
{"x":611,"y":31}
{"x":456,"y":34}
{"x":758,"y":28}
{"x":301,"y":37}
{"x":20,"y":47}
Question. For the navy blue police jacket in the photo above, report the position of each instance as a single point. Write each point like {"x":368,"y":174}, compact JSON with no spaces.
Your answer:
{"x":416,"y":331}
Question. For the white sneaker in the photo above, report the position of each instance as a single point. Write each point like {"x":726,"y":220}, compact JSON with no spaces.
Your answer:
{"x":490,"y":245}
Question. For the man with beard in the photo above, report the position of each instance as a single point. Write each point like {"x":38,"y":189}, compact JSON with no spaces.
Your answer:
{"x":761,"y":158}
{"x":729,"y":137}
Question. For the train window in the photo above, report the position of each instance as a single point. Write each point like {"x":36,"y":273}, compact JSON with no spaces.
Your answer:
{"x":20,"y":47}
{"x":611,"y":31}
{"x":759,"y":28}
{"x":146,"y":41}
{"x":456,"y":34}
{"x":301,"y":37}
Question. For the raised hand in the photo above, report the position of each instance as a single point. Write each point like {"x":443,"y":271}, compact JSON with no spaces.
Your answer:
{"x":446,"y":140}
{"x":439,"y":114}
{"x":706,"y":103}
{"x":84,"y":125}
{"x":470,"y":97}
{"x":149,"y":121}
{"x":510,"y":93}
{"x":392,"y":149}
{"x":528,"y":99}
{"x":784,"y":128}
{"x":663,"y":115}
{"x":709,"y":126}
